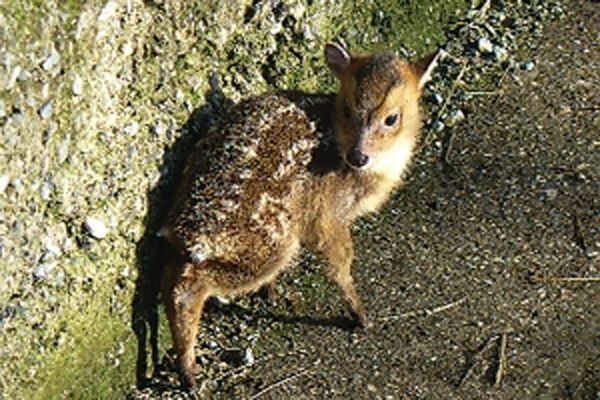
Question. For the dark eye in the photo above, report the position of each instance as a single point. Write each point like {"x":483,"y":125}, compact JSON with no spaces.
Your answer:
{"x":391,"y":119}
{"x":347,"y":112}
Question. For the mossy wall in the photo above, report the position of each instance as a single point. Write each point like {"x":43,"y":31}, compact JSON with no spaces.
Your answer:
{"x":92,"y":96}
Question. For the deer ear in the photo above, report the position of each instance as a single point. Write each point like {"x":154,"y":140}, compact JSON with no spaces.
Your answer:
{"x":338,"y":58}
{"x":424,"y":67}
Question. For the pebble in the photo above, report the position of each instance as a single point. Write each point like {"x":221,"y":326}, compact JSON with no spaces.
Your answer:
{"x":454,"y":117}
{"x":17,"y":118}
{"x":484,"y":45}
{"x":46,"y":191}
{"x":2,"y":109}
{"x":159,"y":129}
{"x":437,"y":125}
{"x":62,"y":152}
{"x":52,"y":60}
{"x":42,"y":270}
{"x":438,"y":98}
{"x":248,"y":357}
{"x":108,"y":10}
{"x":132,"y":129}
{"x":77,"y":87}
{"x":550,"y":194}
{"x":4,"y":180}
{"x":528,"y":66}
{"x":95,"y":227}
{"x":12,"y":78}
{"x":24,"y":75}
{"x":46,"y":110}
{"x":500,"y":53}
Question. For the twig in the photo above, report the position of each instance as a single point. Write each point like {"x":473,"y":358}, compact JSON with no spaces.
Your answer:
{"x":453,"y":88}
{"x":483,"y":9}
{"x":423,"y":312}
{"x":567,"y":279}
{"x":485,"y":93}
{"x":279,"y":383}
{"x":476,"y":360}
{"x":502,"y":363}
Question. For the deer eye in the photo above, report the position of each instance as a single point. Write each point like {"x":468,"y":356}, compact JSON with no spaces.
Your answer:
{"x":347,"y":112}
{"x":391,"y":119}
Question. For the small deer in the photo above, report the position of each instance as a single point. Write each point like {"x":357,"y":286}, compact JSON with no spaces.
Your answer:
{"x":285,"y":170}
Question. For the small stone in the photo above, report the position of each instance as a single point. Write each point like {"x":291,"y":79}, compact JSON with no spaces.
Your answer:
{"x":550,"y":194}
{"x":159,"y":129}
{"x":96,"y":228}
{"x":132,"y":129}
{"x":12,"y":78}
{"x":4,"y":180}
{"x":46,"y":110}
{"x":248,"y":357}
{"x":24,"y":75}
{"x":77,"y":87}
{"x":527,"y":66}
{"x":41,"y":271}
{"x":51,"y":61}
{"x":45,"y":90}
{"x":437,"y":125}
{"x":454,"y":117}
{"x":17,"y":118}
{"x":46,"y":191}
{"x":62,"y":152}
{"x":2,"y":109}
{"x":438,"y":98}
{"x":500,"y":53}
{"x":108,"y":10}
{"x":484,"y":45}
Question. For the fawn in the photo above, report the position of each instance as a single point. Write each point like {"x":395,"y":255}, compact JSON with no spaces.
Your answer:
{"x":285,"y":170}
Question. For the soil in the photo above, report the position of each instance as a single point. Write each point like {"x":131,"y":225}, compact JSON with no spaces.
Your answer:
{"x":481,"y":275}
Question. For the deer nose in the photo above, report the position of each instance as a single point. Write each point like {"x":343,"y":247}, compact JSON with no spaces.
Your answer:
{"x":357,"y":158}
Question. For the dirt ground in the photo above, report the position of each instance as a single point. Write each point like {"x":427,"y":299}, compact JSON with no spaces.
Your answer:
{"x":470,"y":274}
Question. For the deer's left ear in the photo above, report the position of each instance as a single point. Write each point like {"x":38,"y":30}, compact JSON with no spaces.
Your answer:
{"x":424,"y":67}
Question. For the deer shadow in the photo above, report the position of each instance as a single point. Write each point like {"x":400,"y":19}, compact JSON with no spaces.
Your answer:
{"x":153,"y":252}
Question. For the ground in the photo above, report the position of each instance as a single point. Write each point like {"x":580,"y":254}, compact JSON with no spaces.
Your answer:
{"x":481,"y":275}
{"x":470,"y":274}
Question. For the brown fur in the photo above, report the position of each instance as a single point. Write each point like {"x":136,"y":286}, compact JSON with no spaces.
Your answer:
{"x":272,"y":177}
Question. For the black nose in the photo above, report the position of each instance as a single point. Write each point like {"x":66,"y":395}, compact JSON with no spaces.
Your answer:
{"x":357,"y":158}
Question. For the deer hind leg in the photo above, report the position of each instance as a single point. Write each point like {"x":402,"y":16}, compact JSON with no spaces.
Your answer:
{"x":339,"y":253}
{"x":187,"y":289}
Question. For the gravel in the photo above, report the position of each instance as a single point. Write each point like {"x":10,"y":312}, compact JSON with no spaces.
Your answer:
{"x":96,"y":227}
{"x":46,"y":110}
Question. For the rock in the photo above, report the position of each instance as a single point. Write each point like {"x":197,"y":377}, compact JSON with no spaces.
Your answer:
{"x":4,"y":180}
{"x":41,"y":271}
{"x":77,"y":87}
{"x":46,"y":110}
{"x":132,"y":129}
{"x":2,"y":109}
{"x":12,"y":78}
{"x":528,"y":66}
{"x":95,"y":227}
{"x":454,"y":117}
{"x":108,"y":11}
{"x":62,"y":152}
{"x":24,"y":75}
{"x":46,"y":191}
{"x":248,"y":357}
{"x":52,"y":60}
{"x":484,"y":45}
{"x":500,"y":53}
{"x":17,"y":118}
{"x":437,"y":125}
